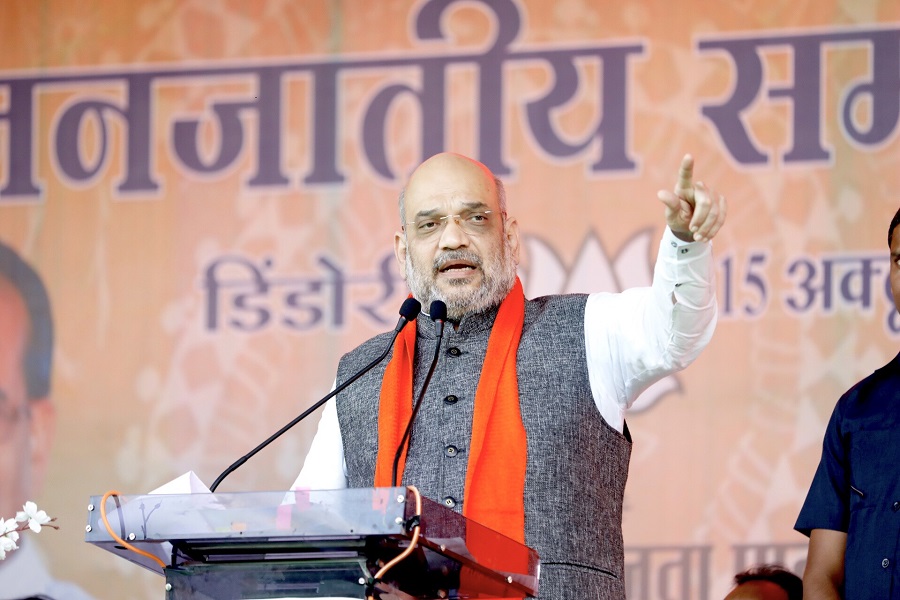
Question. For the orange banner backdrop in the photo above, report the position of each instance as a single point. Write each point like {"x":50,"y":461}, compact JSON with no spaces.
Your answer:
{"x":209,"y":192}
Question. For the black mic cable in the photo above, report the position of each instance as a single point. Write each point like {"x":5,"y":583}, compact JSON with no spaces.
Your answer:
{"x":438,"y":313}
{"x":408,"y":312}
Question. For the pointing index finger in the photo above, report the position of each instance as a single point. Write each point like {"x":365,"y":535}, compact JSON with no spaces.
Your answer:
{"x":684,"y":187}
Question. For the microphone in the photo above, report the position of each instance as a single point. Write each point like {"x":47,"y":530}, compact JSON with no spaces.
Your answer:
{"x":438,"y":313}
{"x":408,"y":312}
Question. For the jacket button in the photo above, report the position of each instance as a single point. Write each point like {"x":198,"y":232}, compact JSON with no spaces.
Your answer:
{"x":895,"y":506}
{"x":450,"y":502}
{"x":451,"y":399}
{"x":451,"y":451}
{"x":454,"y":351}
{"x":885,"y":563}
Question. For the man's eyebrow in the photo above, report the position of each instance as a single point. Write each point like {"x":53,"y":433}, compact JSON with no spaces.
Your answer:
{"x":471,"y":205}
{"x":427,"y":213}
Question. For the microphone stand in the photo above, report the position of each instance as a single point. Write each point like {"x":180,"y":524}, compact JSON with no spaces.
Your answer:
{"x":408,"y":312}
{"x":438,"y":313}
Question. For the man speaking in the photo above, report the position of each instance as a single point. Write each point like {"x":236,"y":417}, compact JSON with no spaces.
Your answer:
{"x":522,"y":427}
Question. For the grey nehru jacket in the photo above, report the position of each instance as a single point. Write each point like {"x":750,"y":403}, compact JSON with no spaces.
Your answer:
{"x":577,"y":464}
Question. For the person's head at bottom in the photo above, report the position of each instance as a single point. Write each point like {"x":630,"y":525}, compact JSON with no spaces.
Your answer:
{"x":766,"y":582}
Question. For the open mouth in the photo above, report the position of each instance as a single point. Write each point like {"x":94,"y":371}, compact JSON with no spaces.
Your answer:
{"x":456,"y":267}
{"x":456,"y":263}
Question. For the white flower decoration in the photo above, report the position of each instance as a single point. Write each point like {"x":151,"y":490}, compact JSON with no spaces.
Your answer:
{"x":36,"y":518}
{"x":7,"y":526}
{"x":28,"y":518}
{"x":8,"y":538}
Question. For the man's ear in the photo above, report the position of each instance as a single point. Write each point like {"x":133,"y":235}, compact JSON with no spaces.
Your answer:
{"x":42,"y":428}
{"x":400,"y":251}
{"x":511,"y":231}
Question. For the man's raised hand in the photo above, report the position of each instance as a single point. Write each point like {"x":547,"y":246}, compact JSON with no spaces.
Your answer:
{"x":693,"y":211}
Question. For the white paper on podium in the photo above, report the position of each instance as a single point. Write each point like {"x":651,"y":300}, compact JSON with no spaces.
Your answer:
{"x":188,"y":483}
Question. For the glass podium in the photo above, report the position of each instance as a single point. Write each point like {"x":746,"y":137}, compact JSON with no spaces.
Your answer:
{"x":310,"y":544}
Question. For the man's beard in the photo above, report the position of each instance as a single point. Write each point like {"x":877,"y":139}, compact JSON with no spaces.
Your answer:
{"x":496,"y":281}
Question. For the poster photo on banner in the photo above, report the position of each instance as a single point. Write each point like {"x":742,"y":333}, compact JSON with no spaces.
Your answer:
{"x":198,"y":204}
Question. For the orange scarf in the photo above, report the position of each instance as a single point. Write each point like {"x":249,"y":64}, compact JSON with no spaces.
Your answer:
{"x":495,"y":476}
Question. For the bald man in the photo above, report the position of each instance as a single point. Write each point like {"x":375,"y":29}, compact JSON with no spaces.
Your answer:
{"x":523,"y":425}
